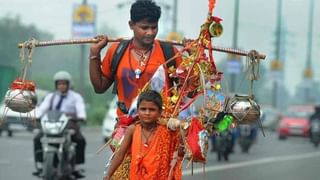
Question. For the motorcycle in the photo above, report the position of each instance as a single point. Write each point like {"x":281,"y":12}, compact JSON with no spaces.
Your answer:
{"x":245,"y":137}
{"x":223,"y":145}
{"x":59,"y":155}
{"x":315,"y":132}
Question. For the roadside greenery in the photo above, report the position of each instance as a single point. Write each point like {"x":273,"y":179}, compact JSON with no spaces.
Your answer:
{"x":47,"y":61}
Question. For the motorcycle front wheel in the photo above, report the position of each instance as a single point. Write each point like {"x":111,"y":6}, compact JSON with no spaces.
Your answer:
{"x":48,"y":166}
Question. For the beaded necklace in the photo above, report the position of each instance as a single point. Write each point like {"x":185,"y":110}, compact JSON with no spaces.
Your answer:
{"x":147,"y":137}
{"x":143,"y":60}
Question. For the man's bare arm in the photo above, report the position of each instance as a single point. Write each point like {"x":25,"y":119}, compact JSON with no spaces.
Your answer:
{"x":98,"y":81}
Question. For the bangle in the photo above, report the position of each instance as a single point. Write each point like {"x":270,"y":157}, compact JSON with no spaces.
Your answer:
{"x":94,"y":57}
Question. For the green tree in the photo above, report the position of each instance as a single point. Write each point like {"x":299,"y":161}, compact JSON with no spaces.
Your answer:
{"x":45,"y":62}
{"x":12,"y":32}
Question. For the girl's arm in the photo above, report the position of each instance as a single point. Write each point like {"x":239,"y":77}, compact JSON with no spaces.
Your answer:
{"x":119,"y":156}
{"x":181,"y":147}
{"x":173,"y":124}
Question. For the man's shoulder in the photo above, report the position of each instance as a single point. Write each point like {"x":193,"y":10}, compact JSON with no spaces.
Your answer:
{"x":113,"y":47}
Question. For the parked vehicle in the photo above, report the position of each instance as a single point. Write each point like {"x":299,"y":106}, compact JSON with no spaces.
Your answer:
{"x":59,"y":155}
{"x":294,"y":123}
{"x":109,"y":120}
{"x":223,"y":144}
{"x":245,"y":138}
{"x":271,"y":118}
{"x":315,"y":132}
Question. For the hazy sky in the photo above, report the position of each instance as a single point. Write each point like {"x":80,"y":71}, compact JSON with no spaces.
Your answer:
{"x":257,"y":24}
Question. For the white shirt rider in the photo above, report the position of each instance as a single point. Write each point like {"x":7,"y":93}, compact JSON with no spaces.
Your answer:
{"x":72,"y":104}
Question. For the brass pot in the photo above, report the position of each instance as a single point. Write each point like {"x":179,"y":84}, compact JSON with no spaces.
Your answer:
{"x":21,"y":101}
{"x":244,"y":109}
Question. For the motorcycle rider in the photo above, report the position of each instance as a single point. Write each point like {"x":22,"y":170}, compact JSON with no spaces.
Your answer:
{"x":314,"y":117}
{"x":72,"y":104}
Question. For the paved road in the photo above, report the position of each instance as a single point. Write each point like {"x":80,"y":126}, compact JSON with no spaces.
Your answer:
{"x":269,"y":159}
{"x":16,"y":158}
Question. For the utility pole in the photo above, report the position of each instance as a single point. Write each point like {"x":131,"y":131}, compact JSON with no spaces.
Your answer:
{"x":276,"y":65}
{"x":175,"y":16}
{"x":83,"y":26}
{"x":82,"y":63}
{"x":308,"y":73}
{"x":234,"y":63}
{"x":235,"y":24}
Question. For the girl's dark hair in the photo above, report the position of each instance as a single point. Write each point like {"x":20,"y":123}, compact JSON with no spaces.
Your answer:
{"x":152,"y":96}
{"x":145,"y":9}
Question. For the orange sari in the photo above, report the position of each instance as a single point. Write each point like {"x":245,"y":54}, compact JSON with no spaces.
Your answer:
{"x":153,"y":162}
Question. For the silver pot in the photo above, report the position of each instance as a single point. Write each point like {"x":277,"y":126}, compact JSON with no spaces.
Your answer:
{"x":244,"y":109}
{"x":21,"y":101}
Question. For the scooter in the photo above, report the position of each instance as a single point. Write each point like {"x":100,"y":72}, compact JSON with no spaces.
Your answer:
{"x":223,"y":145}
{"x":315,"y":132}
{"x":59,"y":155}
{"x":245,"y":137}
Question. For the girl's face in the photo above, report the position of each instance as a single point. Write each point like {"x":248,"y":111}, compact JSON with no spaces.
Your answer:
{"x":148,"y":112}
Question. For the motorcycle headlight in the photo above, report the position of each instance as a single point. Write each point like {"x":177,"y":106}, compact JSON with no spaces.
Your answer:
{"x":52,"y":127}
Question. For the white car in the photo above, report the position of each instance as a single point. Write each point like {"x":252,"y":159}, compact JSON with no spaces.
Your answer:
{"x":109,"y":120}
{"x":271,"y":118}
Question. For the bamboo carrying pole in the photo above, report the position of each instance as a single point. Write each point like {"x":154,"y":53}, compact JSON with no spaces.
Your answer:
{"x":29,"y":45}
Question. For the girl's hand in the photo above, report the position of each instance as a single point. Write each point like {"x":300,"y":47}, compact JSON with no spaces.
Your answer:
{"x":173,"y":124}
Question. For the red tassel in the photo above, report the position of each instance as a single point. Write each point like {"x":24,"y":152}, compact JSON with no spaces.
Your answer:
{"x":211,"y":6}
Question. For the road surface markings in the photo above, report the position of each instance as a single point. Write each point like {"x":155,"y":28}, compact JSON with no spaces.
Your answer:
{"x":253,"y":162}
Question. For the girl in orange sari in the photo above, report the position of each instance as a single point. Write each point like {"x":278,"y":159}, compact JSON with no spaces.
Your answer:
{"x":154,"y":148}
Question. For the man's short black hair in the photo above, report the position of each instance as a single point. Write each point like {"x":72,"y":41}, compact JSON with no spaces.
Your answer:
{"x":145,"y":9}
{"x":151,"y":96}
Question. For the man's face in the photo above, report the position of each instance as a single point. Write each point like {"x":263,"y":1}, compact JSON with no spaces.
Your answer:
{"x":144,"y":31}
{"x":62,"y":86}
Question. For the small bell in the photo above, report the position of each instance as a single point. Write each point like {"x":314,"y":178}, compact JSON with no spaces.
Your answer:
{"x":215,"y":29}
